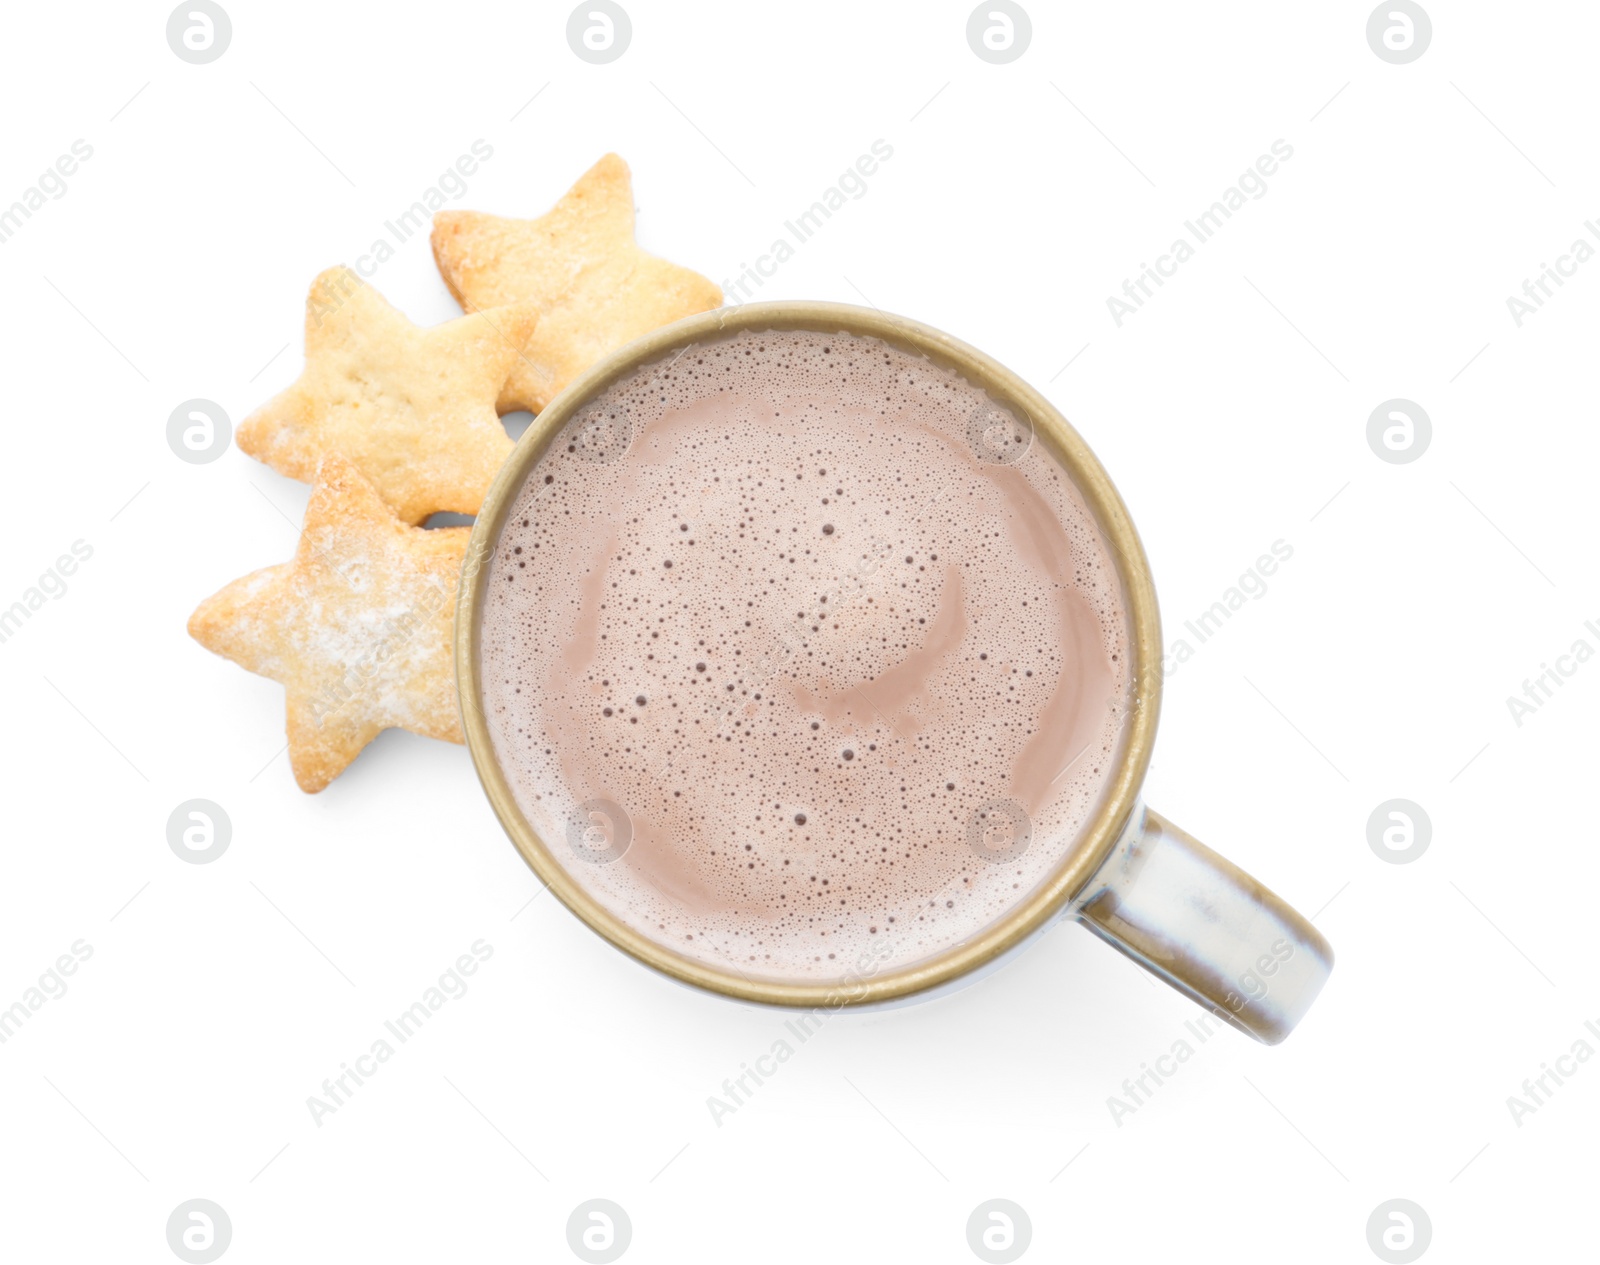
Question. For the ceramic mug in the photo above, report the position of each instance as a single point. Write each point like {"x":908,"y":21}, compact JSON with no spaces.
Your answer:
{"x":1132,"y":877}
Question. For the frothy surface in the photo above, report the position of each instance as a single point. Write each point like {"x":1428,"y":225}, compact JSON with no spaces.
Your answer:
{"x":815,"y":636}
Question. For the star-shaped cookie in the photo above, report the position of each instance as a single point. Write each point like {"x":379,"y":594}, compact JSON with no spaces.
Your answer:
{"x":412,"y":408}
{"x":357,"y":628}
{"x":595,"y":289}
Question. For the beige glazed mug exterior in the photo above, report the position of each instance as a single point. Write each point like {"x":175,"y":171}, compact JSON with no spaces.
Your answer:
{"x":1133,"y":878}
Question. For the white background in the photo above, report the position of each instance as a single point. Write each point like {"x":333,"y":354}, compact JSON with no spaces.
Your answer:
{"x":1231,"y":412}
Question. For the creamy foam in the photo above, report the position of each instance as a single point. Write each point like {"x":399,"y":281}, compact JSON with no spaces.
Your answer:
{"x":819,"y":639}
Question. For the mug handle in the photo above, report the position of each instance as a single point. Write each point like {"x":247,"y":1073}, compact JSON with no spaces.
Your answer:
{"x":1199,"y":922}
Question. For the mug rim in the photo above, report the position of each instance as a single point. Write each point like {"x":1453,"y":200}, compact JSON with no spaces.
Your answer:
{"x":1118,"y":800}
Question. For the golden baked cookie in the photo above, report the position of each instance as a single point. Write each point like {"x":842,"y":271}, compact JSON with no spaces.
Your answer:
{"x":357,"y":628}
{"x":595,"y":289}
{"x":412,"y":408}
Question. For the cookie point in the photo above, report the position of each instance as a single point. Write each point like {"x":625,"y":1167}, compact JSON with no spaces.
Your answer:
{"x":448,"y":223}
{"x":310,"y":780}
{"x":198,"y":623}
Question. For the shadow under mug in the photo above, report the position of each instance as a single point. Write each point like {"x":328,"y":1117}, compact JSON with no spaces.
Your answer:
{"x":1138,"y":882}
